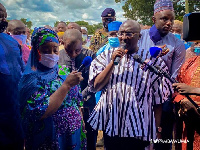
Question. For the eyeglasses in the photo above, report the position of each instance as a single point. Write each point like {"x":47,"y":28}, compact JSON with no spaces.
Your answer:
{"x":127,"y":34}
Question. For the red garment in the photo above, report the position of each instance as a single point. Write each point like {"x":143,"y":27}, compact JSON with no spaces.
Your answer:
{"x":25,"y":53}
{"x":190,"y":75}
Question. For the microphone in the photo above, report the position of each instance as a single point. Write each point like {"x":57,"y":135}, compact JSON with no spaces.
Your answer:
{"x":155,"y":51}
{"x":158,"y":51}
{"x":117,"y":58}
{"x":150,"y":67}
{"x":85,"y":63}
{"x":157,"y":70}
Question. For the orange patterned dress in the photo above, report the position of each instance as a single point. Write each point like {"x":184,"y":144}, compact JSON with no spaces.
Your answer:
{"x":190,"y":75}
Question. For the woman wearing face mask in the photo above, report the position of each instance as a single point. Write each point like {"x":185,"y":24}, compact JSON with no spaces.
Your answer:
{"x":189,"y":74}
{"x":50,"y":98}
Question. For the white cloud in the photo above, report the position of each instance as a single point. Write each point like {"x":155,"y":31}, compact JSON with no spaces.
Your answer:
{"x":85,"y":16}
{"x":46,"y":12}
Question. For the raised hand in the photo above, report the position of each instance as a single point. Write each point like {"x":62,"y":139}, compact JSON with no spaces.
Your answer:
{"x":73,"y":78}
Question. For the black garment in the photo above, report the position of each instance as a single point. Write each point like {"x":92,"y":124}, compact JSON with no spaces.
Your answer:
{"x":167,"y":123}
{"x":123,"y":143}
{"x":88,"y":105}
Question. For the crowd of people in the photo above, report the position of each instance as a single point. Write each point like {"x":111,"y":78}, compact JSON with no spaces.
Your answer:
{"x":47,"y":104}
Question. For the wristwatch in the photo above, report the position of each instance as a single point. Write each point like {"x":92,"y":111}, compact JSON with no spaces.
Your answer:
{"x":158,"y":129}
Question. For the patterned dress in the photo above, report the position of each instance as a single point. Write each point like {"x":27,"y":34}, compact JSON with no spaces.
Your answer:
{"x":63,"y":130}
{"x":189,"y":74}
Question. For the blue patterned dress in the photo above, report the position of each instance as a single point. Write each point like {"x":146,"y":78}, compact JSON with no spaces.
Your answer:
{"x":63,"y":130}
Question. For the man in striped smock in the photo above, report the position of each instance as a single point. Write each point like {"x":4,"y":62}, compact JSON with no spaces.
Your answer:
{"x":130,"y":96}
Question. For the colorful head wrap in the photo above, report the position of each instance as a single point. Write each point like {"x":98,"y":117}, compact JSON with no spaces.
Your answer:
{"x":114,"y":26}
{"x":43,"y":35}
{"x":161,"y":5}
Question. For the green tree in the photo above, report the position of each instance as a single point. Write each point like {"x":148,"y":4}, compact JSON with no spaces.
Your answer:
{"x":56,"y":23}
{"x":142,"y":10}
{"x":82,"y":23}
{"x":27,"y":23}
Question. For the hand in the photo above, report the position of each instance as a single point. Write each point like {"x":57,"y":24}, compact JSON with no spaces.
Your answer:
{"x":187,"y":108}
{"x":164,"y":51}
{"x":183,"y":88}
{"x":73,"y":78}
{"x":119,"y":52}
{"x":144,"y":64}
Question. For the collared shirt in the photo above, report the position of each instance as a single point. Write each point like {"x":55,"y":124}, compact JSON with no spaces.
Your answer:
{"x":176,"y":55}
{"x":125,"y":106}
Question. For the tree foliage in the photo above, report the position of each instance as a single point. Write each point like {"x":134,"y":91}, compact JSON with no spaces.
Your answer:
{"x":142,"y":10}
{"x":27,"y":23}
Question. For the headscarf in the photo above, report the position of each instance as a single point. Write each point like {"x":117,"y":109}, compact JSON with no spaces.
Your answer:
{"x":35,"y":73}
{"x":161,"y":5}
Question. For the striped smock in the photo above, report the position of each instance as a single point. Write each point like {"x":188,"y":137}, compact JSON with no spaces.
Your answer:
{"x":125,"y":106}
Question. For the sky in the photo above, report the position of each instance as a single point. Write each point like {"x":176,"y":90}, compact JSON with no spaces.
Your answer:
{"x":46,"y":12}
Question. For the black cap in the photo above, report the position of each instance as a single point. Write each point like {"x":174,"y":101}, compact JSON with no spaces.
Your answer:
{"x":108,"y":12}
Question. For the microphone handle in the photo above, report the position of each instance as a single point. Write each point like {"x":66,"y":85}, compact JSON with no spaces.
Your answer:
{"x":81,"y":68}
{"x":116,"y":61}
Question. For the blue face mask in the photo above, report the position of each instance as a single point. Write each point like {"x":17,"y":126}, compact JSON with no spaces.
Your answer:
{"x":21,"y":39}
{"x":113,"y":41}
{"x":190,"y":43}
{"x":197,"y":50}
{"x":177,"y":35}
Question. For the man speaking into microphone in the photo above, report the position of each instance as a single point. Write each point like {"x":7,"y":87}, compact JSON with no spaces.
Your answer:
{"x":130,"y":96}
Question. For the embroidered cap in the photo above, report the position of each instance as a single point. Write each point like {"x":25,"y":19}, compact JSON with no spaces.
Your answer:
{"x":161,"y":5}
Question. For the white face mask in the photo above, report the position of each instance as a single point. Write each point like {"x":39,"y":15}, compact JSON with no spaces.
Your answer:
{"x":49,"y":60}
{"x":84,"y":37}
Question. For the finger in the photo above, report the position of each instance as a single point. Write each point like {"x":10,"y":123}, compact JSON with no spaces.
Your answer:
{"x":74,"y":72}
{"x":81,"y":78}
{"x":175,"y":84}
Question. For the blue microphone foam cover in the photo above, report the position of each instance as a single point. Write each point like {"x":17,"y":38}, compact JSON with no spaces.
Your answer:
{"x":87,"y":61}
{"x":154,"y":51}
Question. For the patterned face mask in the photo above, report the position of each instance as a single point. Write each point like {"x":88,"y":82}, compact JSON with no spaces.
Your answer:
{"x":49,"y":60}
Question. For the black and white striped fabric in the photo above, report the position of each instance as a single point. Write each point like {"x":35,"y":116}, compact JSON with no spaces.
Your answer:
{"x":125,"y":106}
